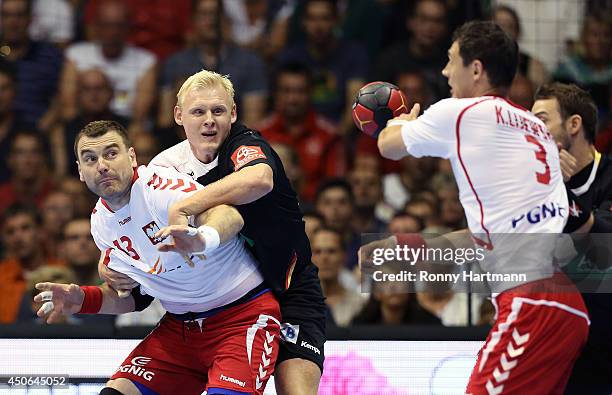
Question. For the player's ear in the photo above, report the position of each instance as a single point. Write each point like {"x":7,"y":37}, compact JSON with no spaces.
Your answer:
{"x":477,"y":69}
{"x":574,"y":124}
{"x":132,"y":155}
{"x":80,"y":172}
{"x":234,"y":113}
{"x":178,"y":115}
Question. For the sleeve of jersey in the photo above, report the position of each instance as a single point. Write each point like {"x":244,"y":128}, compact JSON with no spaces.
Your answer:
{"x":249,"y":150}
{"x":433,"y":133}
{"x":166,"y":186}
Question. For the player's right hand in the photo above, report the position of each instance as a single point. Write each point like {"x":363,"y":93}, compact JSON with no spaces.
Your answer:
{"x":569,"y":164}
{"x":58,"y":300}
{"x":120,"y":282}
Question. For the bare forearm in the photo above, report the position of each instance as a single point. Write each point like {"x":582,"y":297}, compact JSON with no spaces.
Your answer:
{"x":391,"y":144}
{"x":224,"y":219}
{"x":242,"y":187}
{"x":113,"y":304}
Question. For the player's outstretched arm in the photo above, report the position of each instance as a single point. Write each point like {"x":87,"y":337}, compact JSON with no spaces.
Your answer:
{"x":244,"y":186}
{"x":217,"y":225}
{"x":390,"y":142}
{"x":66,"y":299}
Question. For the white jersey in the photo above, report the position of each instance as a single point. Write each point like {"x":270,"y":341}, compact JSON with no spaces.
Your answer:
{"x":127,"y":239}
{"x":181,"y":157}
{"x":506,"y":165}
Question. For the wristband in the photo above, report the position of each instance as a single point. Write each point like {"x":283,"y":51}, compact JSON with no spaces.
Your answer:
{"x":211,"y":238}
{"x":411,"y":240}
{"x":93,"y":300}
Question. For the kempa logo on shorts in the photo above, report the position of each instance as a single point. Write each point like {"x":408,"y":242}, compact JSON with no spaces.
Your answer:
{"x":232,"y":380}
{"x":310,"y":347}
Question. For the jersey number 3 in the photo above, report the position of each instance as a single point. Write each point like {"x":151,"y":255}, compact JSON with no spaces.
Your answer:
{"x":543,"y":178}
{"x":127,"y":247}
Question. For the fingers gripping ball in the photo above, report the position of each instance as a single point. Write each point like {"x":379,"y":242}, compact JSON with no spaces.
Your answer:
{"x":375,"y":104}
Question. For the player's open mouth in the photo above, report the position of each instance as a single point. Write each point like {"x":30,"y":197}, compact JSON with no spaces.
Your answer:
{"x":208,"y":134}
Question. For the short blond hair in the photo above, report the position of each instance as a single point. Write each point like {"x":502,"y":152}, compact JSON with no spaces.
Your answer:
{"x":205,"y":79}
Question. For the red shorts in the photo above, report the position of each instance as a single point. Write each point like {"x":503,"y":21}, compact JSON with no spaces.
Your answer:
{"x":235,"y":350}
{"x":536,"y":339}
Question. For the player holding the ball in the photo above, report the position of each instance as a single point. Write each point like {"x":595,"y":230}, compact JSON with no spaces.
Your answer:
{"x":506,"y":163}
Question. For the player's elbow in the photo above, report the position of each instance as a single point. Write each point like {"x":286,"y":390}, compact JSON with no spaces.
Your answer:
{"x":262,"y":181}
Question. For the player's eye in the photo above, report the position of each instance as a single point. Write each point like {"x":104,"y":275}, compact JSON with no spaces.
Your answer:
{"x":89,"y":159}
{"x":218,"y":111}
{"x":111,"y":154}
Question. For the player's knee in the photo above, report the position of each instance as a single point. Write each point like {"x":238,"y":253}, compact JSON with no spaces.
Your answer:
{"x":297,"y":376}
{"x":121,"y":386}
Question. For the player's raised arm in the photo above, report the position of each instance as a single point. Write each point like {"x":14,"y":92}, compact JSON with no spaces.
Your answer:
{"x":390,"y":141}
{"x":67,"y":299}
{"x":242,"y":187}
{"x":216,"y":226}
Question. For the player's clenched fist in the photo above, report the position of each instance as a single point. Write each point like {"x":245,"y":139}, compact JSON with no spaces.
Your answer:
{"x":58,"y":300}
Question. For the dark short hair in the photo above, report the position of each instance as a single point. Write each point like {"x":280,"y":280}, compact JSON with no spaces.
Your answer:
{"x":487,"y":42}
{"x":100,"y":128}
{"x":294,"y":68}
{"x":332,"y":183}
{"x":572,"y":100}
{"x":21,"y":209}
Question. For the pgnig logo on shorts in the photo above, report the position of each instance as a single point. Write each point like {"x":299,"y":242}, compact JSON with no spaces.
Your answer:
{"x":136,"y":367}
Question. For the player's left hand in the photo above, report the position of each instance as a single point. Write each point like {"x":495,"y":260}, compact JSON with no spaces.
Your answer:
{"x":185,"y":240}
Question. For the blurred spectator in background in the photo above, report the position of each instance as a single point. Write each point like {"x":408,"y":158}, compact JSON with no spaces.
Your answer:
{"x":38,"y":65}
{"x":522,"y":91}
{"x":212,"y":51}
{"x":312,"y":222}
{"x":393,"y":303}
{"x":425,"y":210}
{"x":425,"y":50}
{"x":366,"y":185}
{"x":591,"y":68}
{"x":328,"y":254}
{"x":83,"y":200}
{"x":291,"y":164}
{"x":260,"y":25}
{"x":52,"y":21}
{"x":79,"y":251}
{"x":336,"y":204}
{"x":94,"y":95}
{"x":338,"y":67}
{"x":414,"y":175}
{"x":29,"y":182}
{"x":159,"y":26}
{"x":131,"y":70}
{"x":22,"y":240}
{"x":405,"y":223}
{"x":451,"y":211}
{"x":294,"y":122}
{"x":412,"y":83}
{"x":56,"y":210}
{"x":145,"y":145}
{"x":528,"y":66}
{"x":10,"y":122}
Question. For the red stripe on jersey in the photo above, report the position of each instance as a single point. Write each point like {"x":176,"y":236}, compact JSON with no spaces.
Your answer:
{"x":106,"y":259}
{"x":106,"y":205}
{"x":179,"y":184}
{"x":166,"y":185}
{"x":487,"y":243}
{"x":192,"y":187}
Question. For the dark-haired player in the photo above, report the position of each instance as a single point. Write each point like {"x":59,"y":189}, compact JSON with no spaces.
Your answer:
{"x":571,"y":116}
{"x":506,"y":165}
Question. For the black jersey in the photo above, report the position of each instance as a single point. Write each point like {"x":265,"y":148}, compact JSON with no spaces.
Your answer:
{"x":593,"y":368}
{"x":273,"y":224}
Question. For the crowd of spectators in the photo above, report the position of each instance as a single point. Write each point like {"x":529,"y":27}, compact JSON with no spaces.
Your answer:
{"x":296,"y":67}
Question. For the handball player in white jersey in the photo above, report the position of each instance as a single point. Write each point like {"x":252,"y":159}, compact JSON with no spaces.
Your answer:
{"x":220,"y":334}
{"x":506,"y":165}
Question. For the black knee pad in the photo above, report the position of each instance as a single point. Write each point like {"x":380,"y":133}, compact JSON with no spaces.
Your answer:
{"x":109,"y":391}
